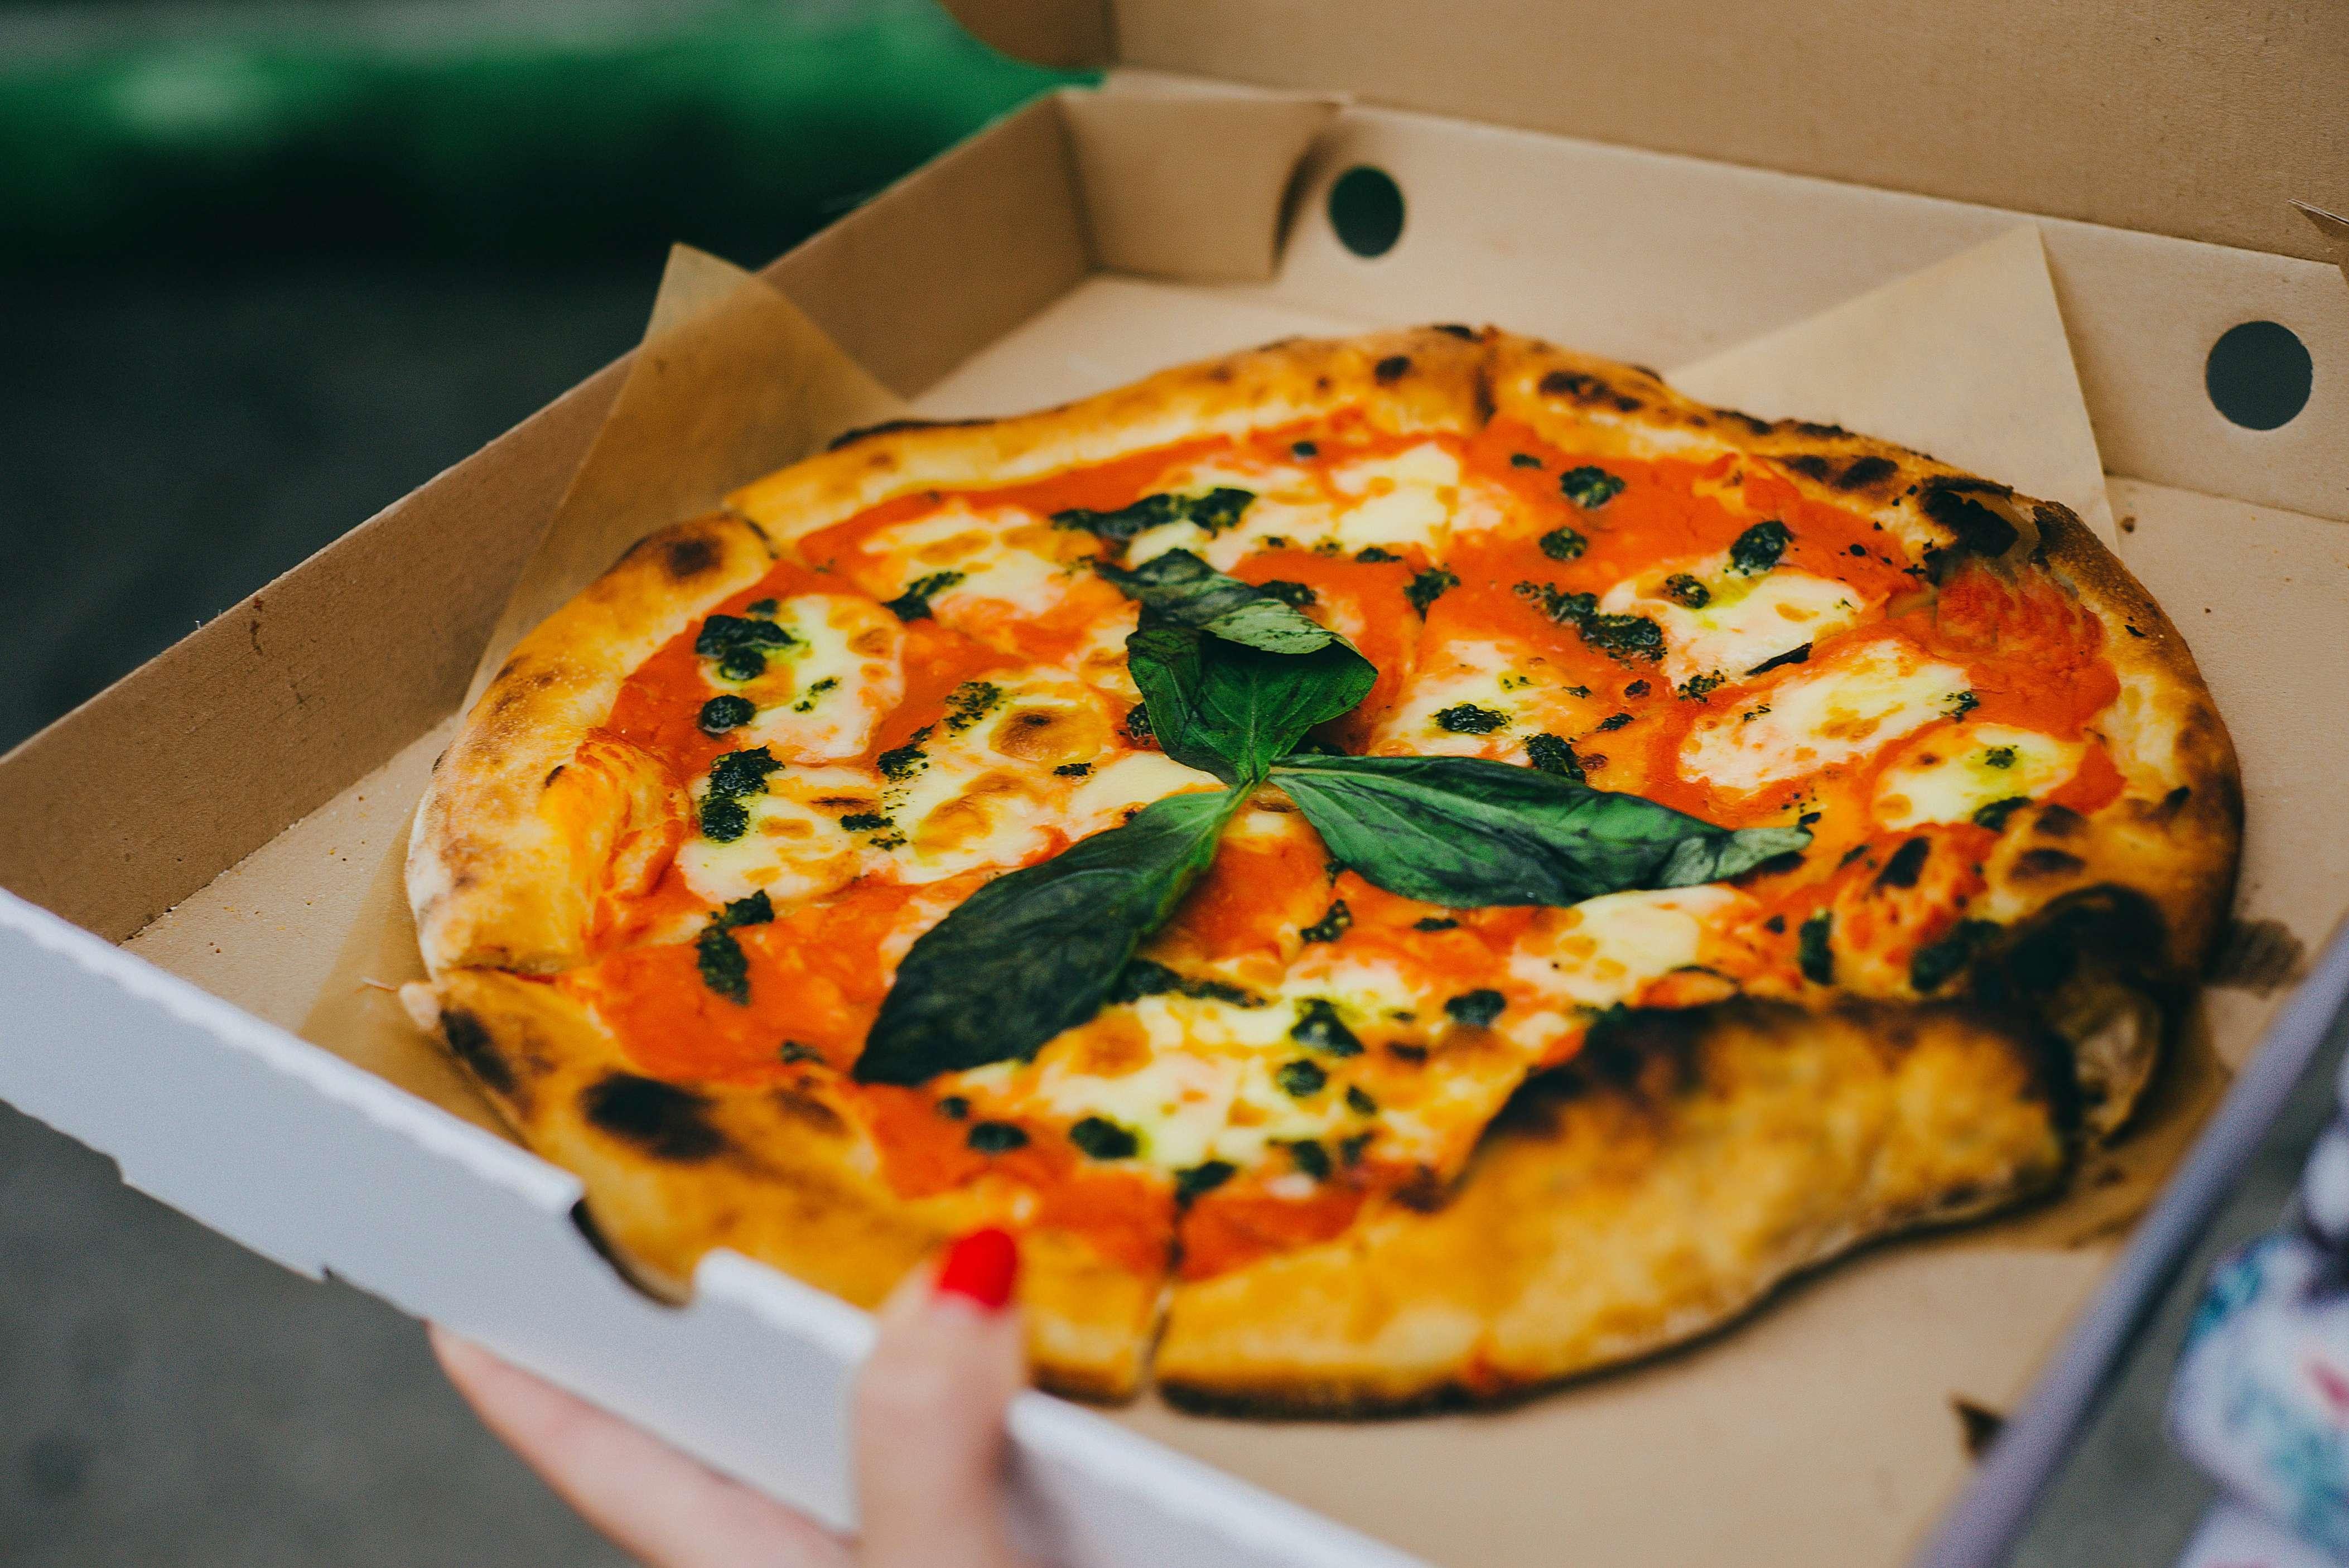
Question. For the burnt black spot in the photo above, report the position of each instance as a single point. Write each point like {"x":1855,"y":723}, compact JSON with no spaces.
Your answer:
{"x":1809,"y":427}
{"x":473,"y":1047}
{"x":1391,"y":369}
{"x":689,"y":557}
{"x":1809,"y":463}
{"x":1759,"y":427}
{"x":2259,"y":956}
{"x":2175,"y":800}
{"x":888,"y":427}
{"x":2059,"y":821}
{"x":1574,"y":385}
{"x":1867,"y":471}
{"x":1465,"y":333}
{"x":2035,"y":864}
{"x":1978,"y":529}
{"x":554,"y":773}
{"x":1908,"y":863}
{"x":664,"y":1120}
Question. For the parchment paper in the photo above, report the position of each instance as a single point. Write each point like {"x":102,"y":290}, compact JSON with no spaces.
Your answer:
{"x":1965,"y":360}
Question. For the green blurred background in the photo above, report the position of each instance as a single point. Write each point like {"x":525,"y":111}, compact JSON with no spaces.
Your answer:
{"x":519,"y":127}
{"x":263,"y":269}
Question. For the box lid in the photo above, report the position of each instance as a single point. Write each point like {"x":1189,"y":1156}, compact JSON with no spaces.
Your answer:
{"x":2174,"y":117}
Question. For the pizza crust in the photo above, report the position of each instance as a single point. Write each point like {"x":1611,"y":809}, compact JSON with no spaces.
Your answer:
{"x":1658,"y":1188}
{"x":672,"y":1172}
{"x":1655,"y":1189}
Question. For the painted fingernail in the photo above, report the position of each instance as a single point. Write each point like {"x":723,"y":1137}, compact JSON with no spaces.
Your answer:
{"x":980,"y":1267}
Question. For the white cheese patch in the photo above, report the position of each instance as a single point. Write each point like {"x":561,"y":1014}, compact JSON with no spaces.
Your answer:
{"x":1289,"y":505}
{"x":1495,"y":675}
{"x":1861,"y":699}
{"x":1136,"y":778}
{"x":1744,"y":621}
{"x":1404,"y":500}
{"x":845,"y":673}
{"x":1603,"y":949}
{"x":794,"y":848}
{"x":1004,"y":557}
{"x":987,"y":793}
{"x":1949,"y":777}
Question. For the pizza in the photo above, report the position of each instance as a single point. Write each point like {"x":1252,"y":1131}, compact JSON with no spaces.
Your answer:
{"x":1402,"y":868}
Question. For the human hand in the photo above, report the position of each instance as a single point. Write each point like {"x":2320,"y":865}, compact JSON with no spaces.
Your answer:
{"x":929,"y":1441}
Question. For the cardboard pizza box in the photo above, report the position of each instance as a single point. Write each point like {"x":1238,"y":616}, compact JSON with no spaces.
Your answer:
{"x":1819,"y":213}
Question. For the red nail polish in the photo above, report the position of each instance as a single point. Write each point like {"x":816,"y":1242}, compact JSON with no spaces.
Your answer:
{"x":981,"y":1267}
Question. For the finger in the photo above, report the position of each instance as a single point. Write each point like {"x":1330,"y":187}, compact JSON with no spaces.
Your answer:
{"x":663,"y":1507}
{"x":930,"y":1402}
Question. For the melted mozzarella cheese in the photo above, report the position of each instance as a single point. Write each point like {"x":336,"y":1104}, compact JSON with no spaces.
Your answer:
{"x":987,"y":792}
{"x":794,"y":848}
{"x":1115,"y":788}
{"x":1603,"y":949}
{"x":1404,"y":500}
{"x":1496,"y":675}
{"x":1004,"y":556}
{"x":1745,"y":622}
{"x":842,"y":672}
{"x":1860,"y":700}
{"x":1949,"y":777}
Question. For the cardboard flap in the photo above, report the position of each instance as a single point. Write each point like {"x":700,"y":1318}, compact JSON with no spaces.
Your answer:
{"x":1189,"y":184}
{"x":2176,"y":116}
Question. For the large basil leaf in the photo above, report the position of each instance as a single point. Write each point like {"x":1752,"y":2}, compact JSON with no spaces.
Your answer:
{"x":1463,"y":831}
{"x":1178,"y":589}
{"x":1234,"y":711}
{"x":1038,"y":950}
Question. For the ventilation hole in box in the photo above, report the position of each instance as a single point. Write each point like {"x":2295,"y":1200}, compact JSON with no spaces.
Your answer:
{"x":1366,"y":209}
{"x":2259,"y":375}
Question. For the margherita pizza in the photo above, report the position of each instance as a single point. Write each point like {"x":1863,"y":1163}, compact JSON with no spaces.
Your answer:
{"x":1401,"y":868}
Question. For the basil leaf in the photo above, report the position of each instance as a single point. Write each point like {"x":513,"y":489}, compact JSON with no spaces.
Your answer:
{"x":1215,"y":512}
{"x":1234,"y":711}
{"x":1464,"y":832}
{"x":1232,"y":676}
{"x":1038,"y":950}
{"x":1178,"y":589}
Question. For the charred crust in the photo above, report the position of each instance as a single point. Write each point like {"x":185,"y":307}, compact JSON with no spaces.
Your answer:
{"x":2058,"y":821}
{"x":1906,"y":865}
{"x":1811,"y":465}
{"x":809,"y":1112}
{"x":2038,"y":865}
{"x":553,"y":774}
{"x":892,"y":426}
{"x":1465,"y":333}
{"x":660,"y":1119}
{"x":1391,"y":369}
{"x":1977,"y":529}
{"x":687,"y":558}
{"x":1818,"y":431}
{"x":470,"y":1043}
{"x":1576,"y":386}
{"x":1867,"y":472}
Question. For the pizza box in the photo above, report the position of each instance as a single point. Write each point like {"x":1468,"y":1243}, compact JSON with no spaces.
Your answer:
{"x":197,"y":979}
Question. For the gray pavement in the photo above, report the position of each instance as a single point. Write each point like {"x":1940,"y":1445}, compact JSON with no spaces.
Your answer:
{"x":167,"y":443}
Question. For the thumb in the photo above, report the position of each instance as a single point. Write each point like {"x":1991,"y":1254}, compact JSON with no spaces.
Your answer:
{"x":930,"y":1410}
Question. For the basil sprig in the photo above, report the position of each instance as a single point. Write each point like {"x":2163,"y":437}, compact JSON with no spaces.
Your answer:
{"x":1463,"y":831}
{"x":1232,"y":678}
{"x":1038,"y":950}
